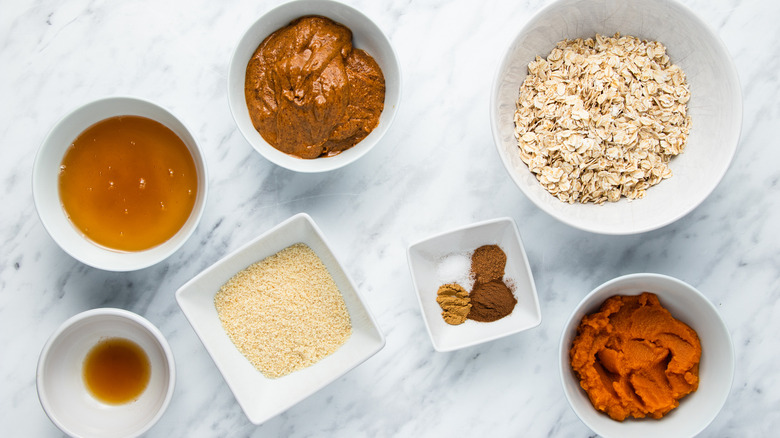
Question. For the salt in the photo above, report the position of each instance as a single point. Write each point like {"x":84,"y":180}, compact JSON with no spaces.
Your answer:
{"x":455,"y":268}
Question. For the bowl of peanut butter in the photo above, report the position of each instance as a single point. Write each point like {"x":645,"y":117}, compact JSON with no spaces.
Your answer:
{"x":646,"y":355}
{"x":313,"y":85}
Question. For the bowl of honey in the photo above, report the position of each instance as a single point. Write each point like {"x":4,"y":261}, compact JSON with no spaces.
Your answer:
{"x":106,"y":372}
{"x":120,"y":183}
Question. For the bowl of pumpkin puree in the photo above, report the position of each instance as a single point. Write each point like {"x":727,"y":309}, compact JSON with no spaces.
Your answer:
{"x":646,"y":355}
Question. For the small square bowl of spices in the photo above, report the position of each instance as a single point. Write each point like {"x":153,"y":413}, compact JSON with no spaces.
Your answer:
{"x":474,"y":284}
{"x":280,"y":318}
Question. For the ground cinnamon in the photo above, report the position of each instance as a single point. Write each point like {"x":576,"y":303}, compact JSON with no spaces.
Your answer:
{"x":491,"y":301}
{"x":491,"y":298}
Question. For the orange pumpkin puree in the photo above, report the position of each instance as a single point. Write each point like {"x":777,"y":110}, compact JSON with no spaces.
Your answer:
{"x":634,"y":359}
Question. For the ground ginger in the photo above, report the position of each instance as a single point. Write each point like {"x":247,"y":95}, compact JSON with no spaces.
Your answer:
{"x":455,"y":303}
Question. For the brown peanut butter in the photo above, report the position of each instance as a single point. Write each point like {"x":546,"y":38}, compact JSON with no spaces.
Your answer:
{"x":309,"y":92}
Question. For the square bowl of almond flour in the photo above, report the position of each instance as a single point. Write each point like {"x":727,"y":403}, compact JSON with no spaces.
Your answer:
{"x":474,"y":284}
{"x":280,"y":318}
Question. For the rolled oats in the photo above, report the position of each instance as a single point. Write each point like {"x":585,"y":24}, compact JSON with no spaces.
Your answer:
{"x":600,"y":118}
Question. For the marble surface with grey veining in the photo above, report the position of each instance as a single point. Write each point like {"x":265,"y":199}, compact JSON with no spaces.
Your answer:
{"x":436,"y":169}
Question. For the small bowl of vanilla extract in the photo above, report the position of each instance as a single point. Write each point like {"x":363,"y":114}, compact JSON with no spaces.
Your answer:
{"x":120,"y":183}
{"x":106,"y":372}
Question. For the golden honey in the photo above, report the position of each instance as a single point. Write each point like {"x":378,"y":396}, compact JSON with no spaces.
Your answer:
{"x":116,"y":371}
{"x":128,"y":183}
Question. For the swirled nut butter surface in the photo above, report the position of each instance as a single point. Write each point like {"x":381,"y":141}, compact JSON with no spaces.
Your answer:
{"x":634,"y":359}
{"x":309,"y":92}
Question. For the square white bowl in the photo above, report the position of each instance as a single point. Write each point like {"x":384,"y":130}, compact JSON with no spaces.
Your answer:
{"x":425,"y":258}
{"x":262,"y":398}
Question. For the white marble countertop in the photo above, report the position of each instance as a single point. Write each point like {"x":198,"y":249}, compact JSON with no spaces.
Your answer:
{"x":436,"y":169}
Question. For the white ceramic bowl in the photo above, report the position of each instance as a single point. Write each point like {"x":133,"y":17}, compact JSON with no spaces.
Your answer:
{"x":61,"y":388}
{"x":46,"y":190}
{"x":427,"y":260}
{"x":715,"y":107}
{"x":716,"y":369}
{"x":366,"y":36}
{"x":262,"y":398}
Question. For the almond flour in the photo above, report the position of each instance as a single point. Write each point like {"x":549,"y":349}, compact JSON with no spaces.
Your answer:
{"x":285,"y":312}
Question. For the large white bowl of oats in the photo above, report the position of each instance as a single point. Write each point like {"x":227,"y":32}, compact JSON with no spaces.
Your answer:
{"x":616,"y":117}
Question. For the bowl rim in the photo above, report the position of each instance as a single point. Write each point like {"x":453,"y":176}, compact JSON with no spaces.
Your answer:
{"x":142,"y":323}
{"x":731,"y":71}
{"x":564,"y":367}
{"x":141,"y":262}
{"x":183,"y":298}
{"x":340,"y":160}
{"x":510,"y":222}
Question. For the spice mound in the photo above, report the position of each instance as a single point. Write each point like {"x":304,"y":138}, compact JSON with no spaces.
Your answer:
{"x":600,"y":118}
{"x":490,"y":298}
{"x":455,"y":303}
{"x":634,"y":359}
{"x":309,"y":92}
{"x":284,"y":313}
{"x":488,"y":263}
{"x":491,"y":301}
